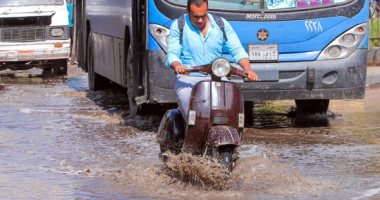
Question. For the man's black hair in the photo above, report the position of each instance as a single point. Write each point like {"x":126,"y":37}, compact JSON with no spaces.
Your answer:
{"x":196,"y":2}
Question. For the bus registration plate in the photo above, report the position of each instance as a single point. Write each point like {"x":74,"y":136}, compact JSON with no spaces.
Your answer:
{"x":263,"y":52}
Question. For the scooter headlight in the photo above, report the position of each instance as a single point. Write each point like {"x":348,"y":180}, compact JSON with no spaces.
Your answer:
{"x":221,"y":67}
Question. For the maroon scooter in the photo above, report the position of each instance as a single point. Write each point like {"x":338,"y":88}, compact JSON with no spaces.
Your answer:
{"x":215,"y":121}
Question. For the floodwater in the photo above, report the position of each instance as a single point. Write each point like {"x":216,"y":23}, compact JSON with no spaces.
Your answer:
{"x":60,"y":141}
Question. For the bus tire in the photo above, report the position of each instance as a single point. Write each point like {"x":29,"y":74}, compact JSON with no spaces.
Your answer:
{"x":95,"y":81}
{"x":248,"y":112}
{"x":311,"y":106}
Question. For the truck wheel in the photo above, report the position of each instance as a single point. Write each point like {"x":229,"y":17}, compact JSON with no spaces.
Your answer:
{"x":95,"y":81}
{"x":311,"y":106}
{"x":46,"y":72}
{"x":61,"y":67}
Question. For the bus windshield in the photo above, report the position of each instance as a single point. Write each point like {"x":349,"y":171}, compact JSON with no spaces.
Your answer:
{"x":253,"y":5}
{"x":4,"y":3}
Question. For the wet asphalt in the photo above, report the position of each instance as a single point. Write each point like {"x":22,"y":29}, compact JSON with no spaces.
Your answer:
{"x":60,"y":141}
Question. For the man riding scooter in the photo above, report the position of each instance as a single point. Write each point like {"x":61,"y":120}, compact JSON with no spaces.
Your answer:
{"x":202,"y":123}
{"x":200,"y":42}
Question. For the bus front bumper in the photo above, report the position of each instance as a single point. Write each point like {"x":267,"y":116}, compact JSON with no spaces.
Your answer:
{"x":34,"y":51}
{"x":328,"y":79}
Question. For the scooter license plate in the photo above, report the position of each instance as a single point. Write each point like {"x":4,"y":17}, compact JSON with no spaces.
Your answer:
{"x":263,"y":52}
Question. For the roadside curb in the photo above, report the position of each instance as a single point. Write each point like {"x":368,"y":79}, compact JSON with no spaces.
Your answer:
{"x":374,"y":57}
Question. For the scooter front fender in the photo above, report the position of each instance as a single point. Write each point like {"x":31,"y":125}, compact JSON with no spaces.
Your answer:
{"x":223,"y":135}
{"x":171,"y":128}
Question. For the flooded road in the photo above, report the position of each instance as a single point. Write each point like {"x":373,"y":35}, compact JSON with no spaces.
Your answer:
{"x":60,"y":141}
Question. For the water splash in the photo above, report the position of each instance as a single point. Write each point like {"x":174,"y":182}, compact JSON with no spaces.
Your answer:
{"x":198,"y":171}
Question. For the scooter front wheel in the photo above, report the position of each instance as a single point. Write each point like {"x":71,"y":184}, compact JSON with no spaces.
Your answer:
{"x":226,"y":157}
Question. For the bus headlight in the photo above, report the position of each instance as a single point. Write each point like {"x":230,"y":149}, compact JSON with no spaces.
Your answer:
{"x":160,"y":34}
{"x":348,"y":39}
{"x":344,"y":45}
{"x":334,"y":51}
{"x":57,"y":32}
{"x":221,"y":67}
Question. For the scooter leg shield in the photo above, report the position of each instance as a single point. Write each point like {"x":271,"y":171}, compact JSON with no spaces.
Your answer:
{"x":223,"y":135}
{"x":171,"y":129}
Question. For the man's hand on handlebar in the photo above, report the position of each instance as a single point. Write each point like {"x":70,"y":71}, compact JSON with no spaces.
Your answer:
{"x":179,"y":68}
{"x":252,"y":76}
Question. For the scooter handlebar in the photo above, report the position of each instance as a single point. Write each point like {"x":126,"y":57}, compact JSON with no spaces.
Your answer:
{"x":238,"y":72}
{"x":206,"y":69}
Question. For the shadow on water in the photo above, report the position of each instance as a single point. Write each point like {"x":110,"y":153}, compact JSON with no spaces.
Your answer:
{"x":316,"y":120}
{"x":275,"y":123}
{"x":271,"y":115}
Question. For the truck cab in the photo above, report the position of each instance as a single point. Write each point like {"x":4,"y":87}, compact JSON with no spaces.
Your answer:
{"x":34,"y":33}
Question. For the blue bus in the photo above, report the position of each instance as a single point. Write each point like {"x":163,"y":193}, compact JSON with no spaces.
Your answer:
{"x":307,"y":50}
